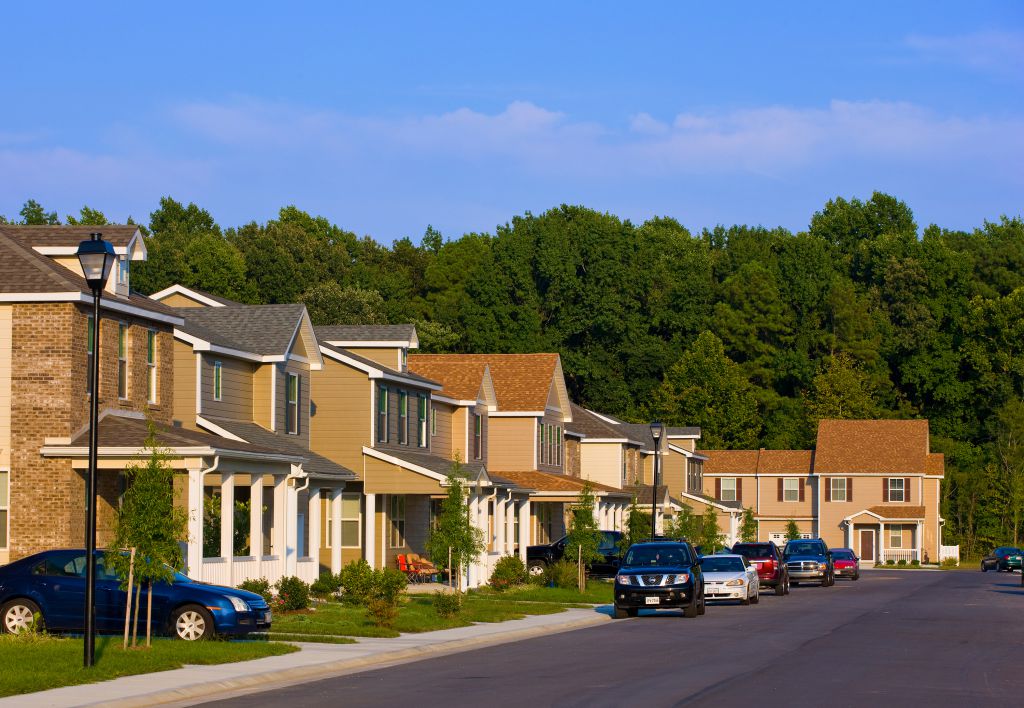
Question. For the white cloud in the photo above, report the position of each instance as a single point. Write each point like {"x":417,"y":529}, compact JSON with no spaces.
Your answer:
{"x":995,"y":50}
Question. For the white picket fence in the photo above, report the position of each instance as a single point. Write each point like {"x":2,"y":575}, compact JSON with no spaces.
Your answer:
{"x":949,"y":552}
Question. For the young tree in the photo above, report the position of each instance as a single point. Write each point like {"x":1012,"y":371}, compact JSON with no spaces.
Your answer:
{"x":149,"y":522}
{"x":584,"y":536}
{"x":748,"y":527}
{"x":792,"y":530}
{"x":686,"y":525}
{"x":638,"y":527}
{"x":454,"y":542}
{"x":711,"y":537}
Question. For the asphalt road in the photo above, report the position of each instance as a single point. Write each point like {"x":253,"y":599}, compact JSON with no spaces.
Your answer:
{"x":893,"y":638}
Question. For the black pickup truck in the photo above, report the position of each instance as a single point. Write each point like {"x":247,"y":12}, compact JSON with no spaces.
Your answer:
{"x":809,"y":560}
{"x":540,"y":557}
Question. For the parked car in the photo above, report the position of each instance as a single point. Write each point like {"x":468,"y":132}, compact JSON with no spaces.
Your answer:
{"x":660,"y":575}
{"x":846,"y":563}
{"x":1006,"y":558}
{"x":808,"y":559}
{"x":538,"y":558}
{"x":730,"y":577}
{"x":767,"y":559}
{"x":52,"y":583}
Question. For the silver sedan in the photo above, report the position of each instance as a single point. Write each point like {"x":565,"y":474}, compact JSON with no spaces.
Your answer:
{"x":729,"y":577}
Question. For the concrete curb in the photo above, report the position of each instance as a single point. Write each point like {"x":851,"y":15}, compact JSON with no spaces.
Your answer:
{"x":201,"y":692}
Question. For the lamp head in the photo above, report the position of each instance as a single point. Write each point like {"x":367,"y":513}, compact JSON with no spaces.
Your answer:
{"x":96,"y":257}
{"x":656,"y":430}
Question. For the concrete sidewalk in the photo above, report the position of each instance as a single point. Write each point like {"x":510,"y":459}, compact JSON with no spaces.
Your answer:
{"x":196,"y":684}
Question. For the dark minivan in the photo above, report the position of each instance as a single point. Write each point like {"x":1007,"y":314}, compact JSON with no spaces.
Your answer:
{"x":766,"y":557}
{"x":540,"y":557}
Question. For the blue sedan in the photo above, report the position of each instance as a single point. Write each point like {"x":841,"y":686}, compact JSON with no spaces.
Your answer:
{"x":52,"y":583}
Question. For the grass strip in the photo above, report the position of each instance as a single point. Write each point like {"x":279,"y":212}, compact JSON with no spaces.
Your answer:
{"x":33,"y":663}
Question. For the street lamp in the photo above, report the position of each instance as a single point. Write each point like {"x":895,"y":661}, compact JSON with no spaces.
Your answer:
{"x":96,"y":257}
{"x":656,"y":430}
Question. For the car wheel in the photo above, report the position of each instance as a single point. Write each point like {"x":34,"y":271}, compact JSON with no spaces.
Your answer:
{"x":856,"y":576}
{"x":704,"y":604}
{"x":787,"y":586}
{"x":692,"y":610}
{"x":984,"y":568}
{"x":620,"y":613}
{"x":756,"y":598}
{"x":746,"y":600}
{"x":632,"y":611}
{"x":192,"y":623}
{"x":18,"y":616}
{"x":780,"y":589}
{"x":536,"y":568}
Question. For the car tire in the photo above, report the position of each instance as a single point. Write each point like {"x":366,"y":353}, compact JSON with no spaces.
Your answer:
{"x":704,"y":605}
{"x":692,"y":610}
{"x":536,"y":568}
{"x":632,"y":611}
{"x":984,"y":568}
{"x":756,"y":598}
{"x":787,"y":585}
{"x":192,"y":623}
{"x":780,"y":588}
{"x":620,"y":612}
{"x":856,"y":576}
{"x":17,"y":616}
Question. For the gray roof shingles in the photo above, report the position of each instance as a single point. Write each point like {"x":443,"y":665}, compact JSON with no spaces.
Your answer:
{"x":376,"y":365}
{"x":60,"y":235}
{"x":366,"y":333}
{"x":266,"y":330}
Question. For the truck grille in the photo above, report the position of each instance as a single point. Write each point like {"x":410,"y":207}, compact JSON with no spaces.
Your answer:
{"x":802,"y":566}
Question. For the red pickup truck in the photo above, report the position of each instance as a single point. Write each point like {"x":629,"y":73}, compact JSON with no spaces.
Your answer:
{"x":766,"y":557}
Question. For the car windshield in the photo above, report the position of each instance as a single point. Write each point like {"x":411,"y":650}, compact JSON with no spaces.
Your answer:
{"x":657,"y":556}
{"x":843,"y":555}
{"x":712,"y":564}
{"x":1007,"y":550}
{"x":796,"y":548}
{"x":760,"y":551}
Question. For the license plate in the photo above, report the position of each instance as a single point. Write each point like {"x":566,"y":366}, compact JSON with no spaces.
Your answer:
{"x":652,"y":600}
{"x":266,"y":617}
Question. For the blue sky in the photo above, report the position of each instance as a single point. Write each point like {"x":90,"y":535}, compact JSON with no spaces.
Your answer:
{"x":462,"y":115}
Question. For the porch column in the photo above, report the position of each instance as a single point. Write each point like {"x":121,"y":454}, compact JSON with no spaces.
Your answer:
{"x":195,"y":524}
{"x":524,"y":528}
{"x":370,"y":547}
{"x":279,"y":539}
{"x":256,"y":521}
{"x":335,"y":512}
{"x":917,"y":540}
{"x":510,"y":525}
{"x":291,"y":526}
{"x":313,"y":523}
{"x":227,"y":522}
{"x":881,"y":544}
{"x":474,"y":519}
{"x":499,"y":525}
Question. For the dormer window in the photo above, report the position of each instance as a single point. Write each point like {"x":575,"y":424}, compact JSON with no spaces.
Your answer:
{"x":405,"y":358}
{"x":122,"y":272}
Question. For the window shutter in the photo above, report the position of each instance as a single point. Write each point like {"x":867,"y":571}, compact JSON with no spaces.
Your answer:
{"x":801,"y":489}
{"x":739,"y":489}
{"x":849,"y":489}
{"x":906,"y":489}
{"x":828,"y":489}
{"x":780,"y":488}
{"x":885,"y":489}
{"x":718,"y":489}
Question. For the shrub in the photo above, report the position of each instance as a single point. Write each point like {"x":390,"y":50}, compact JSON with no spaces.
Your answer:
{"x":902,"y":562}
{"x":562,"y":574}
{"x":948,"y":563}
{"x":508,"y":571}
{"x":292,"y":594}
{"x":447,"y":604}
{"x":260,"y":586}
{"x":915,"y":563}
{"x":356,"y":579}
{"x":326,"y":585}
{"x":890,"y":562}
{"x":386,"y":588}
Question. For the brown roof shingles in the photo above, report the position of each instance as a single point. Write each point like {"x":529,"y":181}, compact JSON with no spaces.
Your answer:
{"x":521,"y":381}
{"x":461,"y":380}
{"x":548,"y":482}
{"x":898,"y":512}
{"x":721,"y":462}
{"x":785,"y":462}
{"x":58,"y":235}
{"x":872,"y":446}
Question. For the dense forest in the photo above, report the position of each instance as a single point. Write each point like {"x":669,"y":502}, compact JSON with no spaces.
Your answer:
{"x":751,"y":333}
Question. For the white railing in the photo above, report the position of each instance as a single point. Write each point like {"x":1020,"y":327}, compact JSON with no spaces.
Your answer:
{"x":949,"y":552}
{"x":308,"y":569}
{"x":898,"y":554}
{"x":220,"y":571}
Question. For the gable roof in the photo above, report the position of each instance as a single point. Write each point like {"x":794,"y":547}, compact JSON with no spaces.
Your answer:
{"x":522,"y":382}
{"x":872,"y":446}
{"x":61,"y":236}
{"x":542,"y":482}
{"x":28,"y":276}
{"x":375,"y":369}
{"x":314,"y":464}
{"x":263,"y":330}
{"x":641,"y":432}
{"x":592,"y":425}
{"x":725,"y":462}
{"x":201,"y":297}
{"x":462,"y":381}
{"x":401,"y":335}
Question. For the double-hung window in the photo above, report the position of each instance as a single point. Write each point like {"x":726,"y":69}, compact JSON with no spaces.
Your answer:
{"x":218,"y":382}
{"x":728,"y":489}
{"x":151,"y":366}
{"x":350,"y":519}
{"x":791,"y":489}
{"x":403,"y":418}
{"x":291,"y":409}
{"x":5,"y":505}
{"x":122,"y":361}
{"x":433,"y":421}
{"x":397,"y":518}
{"x":838,"y":491}
{"x":897,"y":491}
{"x":540,"y":441}
{"x":478,"y":434}
{"x":896,"y":536}
{"x":558,"y":445}
{"x":382,"y":414}
{"x":90,"y":351}
{"x":421,"y":420}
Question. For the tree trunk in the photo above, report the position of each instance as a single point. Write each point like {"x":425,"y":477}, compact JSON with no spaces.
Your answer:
{"x":128,"y":605}
{"x":135,"y":624}
{"x":149,"y":613}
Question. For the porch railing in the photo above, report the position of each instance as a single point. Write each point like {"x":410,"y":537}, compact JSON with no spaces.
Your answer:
{"x":898,"y":554}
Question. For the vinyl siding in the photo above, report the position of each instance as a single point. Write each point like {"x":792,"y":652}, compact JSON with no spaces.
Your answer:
{"x":340,"y":413}
{"x":281,"y":371}
{"x":381,"y":477}
{"x":442,"y":443}
{"x":511,"y":444}
{"x":179,"y":300}
{"x":261,"y":394}
{"x":389,"y":356}
{"x":184,"y":385}
{"x":601,"y":463}
{"x":673,"y":472}
{"x":236,"y":388}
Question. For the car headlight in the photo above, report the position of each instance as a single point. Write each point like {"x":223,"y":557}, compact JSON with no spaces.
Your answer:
{"x":737,"y":581}
{"x":624,"y":579}
{"x":822,"y":566}
{"x":679,"y":579}
{"x":238,"y":603}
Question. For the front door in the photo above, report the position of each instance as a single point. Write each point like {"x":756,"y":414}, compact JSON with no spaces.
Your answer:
{"x":867,"y":545}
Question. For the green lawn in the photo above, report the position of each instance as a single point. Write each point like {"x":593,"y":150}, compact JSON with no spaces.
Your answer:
{"x":34,"y":665}
{"x":598,"y":592}
{"x":332,"y":619}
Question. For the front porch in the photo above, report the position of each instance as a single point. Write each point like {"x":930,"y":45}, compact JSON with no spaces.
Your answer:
{"x":880,"y":534}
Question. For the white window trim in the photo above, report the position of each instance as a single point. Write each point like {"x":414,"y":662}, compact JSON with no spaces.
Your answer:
{"x":392,"y":518}
{"x":218,"y":380}
{"x":896,"y":532}
{"x":152,"y":394}
{"x":121,"y":326}
{"x":903,"y":490}
{"x":358,"y":518}
{"x":383,"y":396}
{"x":295,"y":405}
{"x":733,"y":490}
{"x":832,"y":489}
{"x":795,"y":490}
{"x":403,"y":418}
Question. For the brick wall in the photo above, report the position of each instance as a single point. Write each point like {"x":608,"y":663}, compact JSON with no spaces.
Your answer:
{"x":48,"y":399}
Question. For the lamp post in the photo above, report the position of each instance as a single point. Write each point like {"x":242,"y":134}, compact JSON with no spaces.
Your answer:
{"x":656,"y":430}
{"x":96,"y":257}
